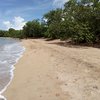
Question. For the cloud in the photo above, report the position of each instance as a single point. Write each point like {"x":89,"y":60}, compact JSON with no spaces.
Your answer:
{"x":7,"y":24}
{"x":59,"y":3}
{"x":17,"y":23}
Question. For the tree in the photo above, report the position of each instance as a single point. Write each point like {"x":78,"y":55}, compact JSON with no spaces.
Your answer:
{"x":82,"y":20}
{"x":32,"y":29}
{"x":2,"y":33}
{"x":53,"y":21}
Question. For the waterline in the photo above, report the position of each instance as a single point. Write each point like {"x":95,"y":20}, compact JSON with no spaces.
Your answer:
{"x":11,"y":51}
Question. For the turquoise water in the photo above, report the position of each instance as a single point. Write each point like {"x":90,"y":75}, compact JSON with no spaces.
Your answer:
{"x":10,"y":52}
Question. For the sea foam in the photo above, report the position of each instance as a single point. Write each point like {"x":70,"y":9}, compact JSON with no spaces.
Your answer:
{"x":10,"y":52}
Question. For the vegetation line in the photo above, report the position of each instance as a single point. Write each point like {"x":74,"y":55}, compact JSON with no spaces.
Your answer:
{"x":78,"y":21}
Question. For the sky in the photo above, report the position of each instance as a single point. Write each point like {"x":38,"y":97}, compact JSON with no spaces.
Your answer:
{"x":15,"y":13}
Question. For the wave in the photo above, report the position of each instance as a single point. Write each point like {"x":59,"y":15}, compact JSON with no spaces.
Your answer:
{"x":10,"y":52}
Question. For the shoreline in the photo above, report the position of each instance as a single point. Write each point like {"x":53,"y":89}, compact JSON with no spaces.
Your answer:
{"x":12,"y":73}
{"x":51,"y":72}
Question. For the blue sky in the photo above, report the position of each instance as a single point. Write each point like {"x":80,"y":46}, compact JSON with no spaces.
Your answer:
{"x":15,"y":13}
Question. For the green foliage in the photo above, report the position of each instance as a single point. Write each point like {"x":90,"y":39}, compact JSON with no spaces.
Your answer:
{"x":2,"y":33}
{"x":12,"y":33}
{"x":82,"y":35}
{"x":32,"y":29}
{"x":78,"y":21}
{"x":54,"y":20}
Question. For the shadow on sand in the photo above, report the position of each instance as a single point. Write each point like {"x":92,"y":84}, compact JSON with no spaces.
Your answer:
{"x":73,"y":45}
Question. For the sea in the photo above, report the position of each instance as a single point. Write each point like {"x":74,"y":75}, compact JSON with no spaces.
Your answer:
{"x":10,"y":52}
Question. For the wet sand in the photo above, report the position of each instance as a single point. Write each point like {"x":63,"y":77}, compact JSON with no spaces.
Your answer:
{"x":48,"y":71}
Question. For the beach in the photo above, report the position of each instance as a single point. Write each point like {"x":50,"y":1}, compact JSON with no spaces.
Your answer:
{"x":51,"y":71}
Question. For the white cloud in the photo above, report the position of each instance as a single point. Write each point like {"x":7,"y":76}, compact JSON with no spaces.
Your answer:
{"x":59,"y":3}
{"x":7,"y":24}
{"x":17,"y":23}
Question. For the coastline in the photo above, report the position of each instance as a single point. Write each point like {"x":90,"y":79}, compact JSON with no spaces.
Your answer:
{"x":20,"y":54}
{"x":50,"y":72}
{"x":11,"y":78}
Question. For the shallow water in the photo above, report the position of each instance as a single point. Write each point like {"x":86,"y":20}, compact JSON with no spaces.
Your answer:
{"x":10,"y":51}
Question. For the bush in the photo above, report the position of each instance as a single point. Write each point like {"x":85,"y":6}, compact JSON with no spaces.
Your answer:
{"x":32,"y":29}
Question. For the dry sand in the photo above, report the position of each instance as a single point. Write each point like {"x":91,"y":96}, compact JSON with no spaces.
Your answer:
{"x":51,"y":72}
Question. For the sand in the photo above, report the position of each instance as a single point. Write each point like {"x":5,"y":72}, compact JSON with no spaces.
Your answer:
{"x":48,"y":71}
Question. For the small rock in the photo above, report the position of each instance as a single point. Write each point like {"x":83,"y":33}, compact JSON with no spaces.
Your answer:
{"x":57,"y":78}
{"x":57,"y":94}
{"x":40,"y":96}
{"x":66,"y":84}
{"x":95,"y":87}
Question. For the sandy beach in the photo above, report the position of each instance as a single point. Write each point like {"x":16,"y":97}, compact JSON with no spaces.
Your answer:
{"x":49,"y":71}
